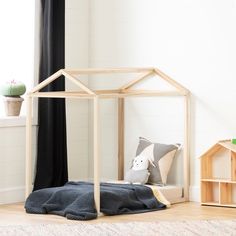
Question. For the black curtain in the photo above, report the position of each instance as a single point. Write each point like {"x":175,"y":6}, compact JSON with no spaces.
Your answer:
{"x":51,"y":168}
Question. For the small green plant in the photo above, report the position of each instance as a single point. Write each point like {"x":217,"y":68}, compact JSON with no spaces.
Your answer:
{"x":12,"y":92}
{"x":12,"y":88}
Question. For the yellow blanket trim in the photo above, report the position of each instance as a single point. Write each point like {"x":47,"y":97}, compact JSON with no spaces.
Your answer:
{"x":159,"y":196}
{"x":157,"y":193}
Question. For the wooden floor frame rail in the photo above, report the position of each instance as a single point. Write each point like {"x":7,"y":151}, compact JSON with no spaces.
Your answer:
{"x":95,"y":95}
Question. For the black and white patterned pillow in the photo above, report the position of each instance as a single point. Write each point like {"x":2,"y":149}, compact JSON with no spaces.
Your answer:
{"x":161,"y":155}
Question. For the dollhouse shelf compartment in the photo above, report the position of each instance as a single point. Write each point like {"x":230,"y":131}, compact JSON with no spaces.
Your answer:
{"x":220,"y":190}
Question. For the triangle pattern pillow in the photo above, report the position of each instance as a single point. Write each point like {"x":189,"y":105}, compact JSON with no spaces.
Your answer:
{"x":161,"y":155}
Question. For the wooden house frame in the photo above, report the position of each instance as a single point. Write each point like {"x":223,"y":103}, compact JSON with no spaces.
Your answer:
{"x":120,"y":93}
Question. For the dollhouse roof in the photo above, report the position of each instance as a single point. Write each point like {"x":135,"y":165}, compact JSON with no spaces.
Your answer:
{"x":225,"y":144}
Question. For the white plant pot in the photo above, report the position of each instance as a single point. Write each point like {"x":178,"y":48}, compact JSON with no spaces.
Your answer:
{"x":13,"y":105}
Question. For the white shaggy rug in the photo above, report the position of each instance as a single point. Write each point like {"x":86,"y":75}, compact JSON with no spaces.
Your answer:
{"x":165,"y":228}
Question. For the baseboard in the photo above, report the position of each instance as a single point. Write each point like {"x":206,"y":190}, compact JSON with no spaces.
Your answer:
{"x":194,"y":193}
{"x":12,"y":195}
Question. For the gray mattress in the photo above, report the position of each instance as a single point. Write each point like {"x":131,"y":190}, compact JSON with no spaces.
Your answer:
{"x":75,"y":200}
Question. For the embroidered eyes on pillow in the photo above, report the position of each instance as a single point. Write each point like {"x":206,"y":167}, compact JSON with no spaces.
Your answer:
{"x":162,"y":156}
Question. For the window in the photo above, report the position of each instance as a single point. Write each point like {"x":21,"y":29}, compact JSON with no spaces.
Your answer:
{"x":17,"y":44}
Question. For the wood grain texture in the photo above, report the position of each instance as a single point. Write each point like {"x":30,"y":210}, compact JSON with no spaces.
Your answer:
{"x":121,"y":141}
{"x":28,"y":155}
{"x":209,"y":184}
{"x":15,"y":214}
{"x":105,"y":94}
{"x":96,"y":154}
{"x":89,"y":71}
{"x":175,"y":84}
{"x":78,"y":95}
{"x":206,"y":192}
{"x":77,"y":82}
{"x":227,"y":144}
{"x":211,"y":151}
{"x":186,"y":164}
{"x":233,"y":166}
{"x":141,"y":93}
{"x":225,"y":193}
{"x":47,"y":81}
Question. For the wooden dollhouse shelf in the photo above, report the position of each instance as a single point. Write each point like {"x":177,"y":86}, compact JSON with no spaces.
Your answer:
{"x":219,"y":180}
{"x":220,"y":191}
{"x":218,"y":204}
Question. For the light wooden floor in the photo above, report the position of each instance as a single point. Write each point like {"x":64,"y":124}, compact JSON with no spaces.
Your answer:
{"x":15,"y":214}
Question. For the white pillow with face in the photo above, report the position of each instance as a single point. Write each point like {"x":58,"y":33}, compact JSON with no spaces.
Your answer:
{"x":140,"y":162}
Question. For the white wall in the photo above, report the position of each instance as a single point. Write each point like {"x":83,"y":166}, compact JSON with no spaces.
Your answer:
{"x":76,"y":56}
{"x":12,"y":163}
{"x":193,"y":42}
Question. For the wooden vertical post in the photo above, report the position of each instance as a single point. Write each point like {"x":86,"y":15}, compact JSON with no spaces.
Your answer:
{"x":186,"y":145}
{"x":233,"y":166}
{"x":96,"y":153}
{"x":121,"y":128}
{"x":28,"y":156}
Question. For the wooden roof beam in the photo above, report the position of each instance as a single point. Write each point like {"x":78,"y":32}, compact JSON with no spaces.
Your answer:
{"x":62,"y":94}
{"x":137,"y":80}
{"x":108,"y":70}
{"x":172,"y":82}
{"x":77,"y":82}
{"x":47,"y":81}
{"x":105,"y":94}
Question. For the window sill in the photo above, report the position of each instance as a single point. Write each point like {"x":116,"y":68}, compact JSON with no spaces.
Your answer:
{"x":14,"y":121}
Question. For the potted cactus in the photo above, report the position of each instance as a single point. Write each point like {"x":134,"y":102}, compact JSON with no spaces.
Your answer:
{"x":12,"y":92}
